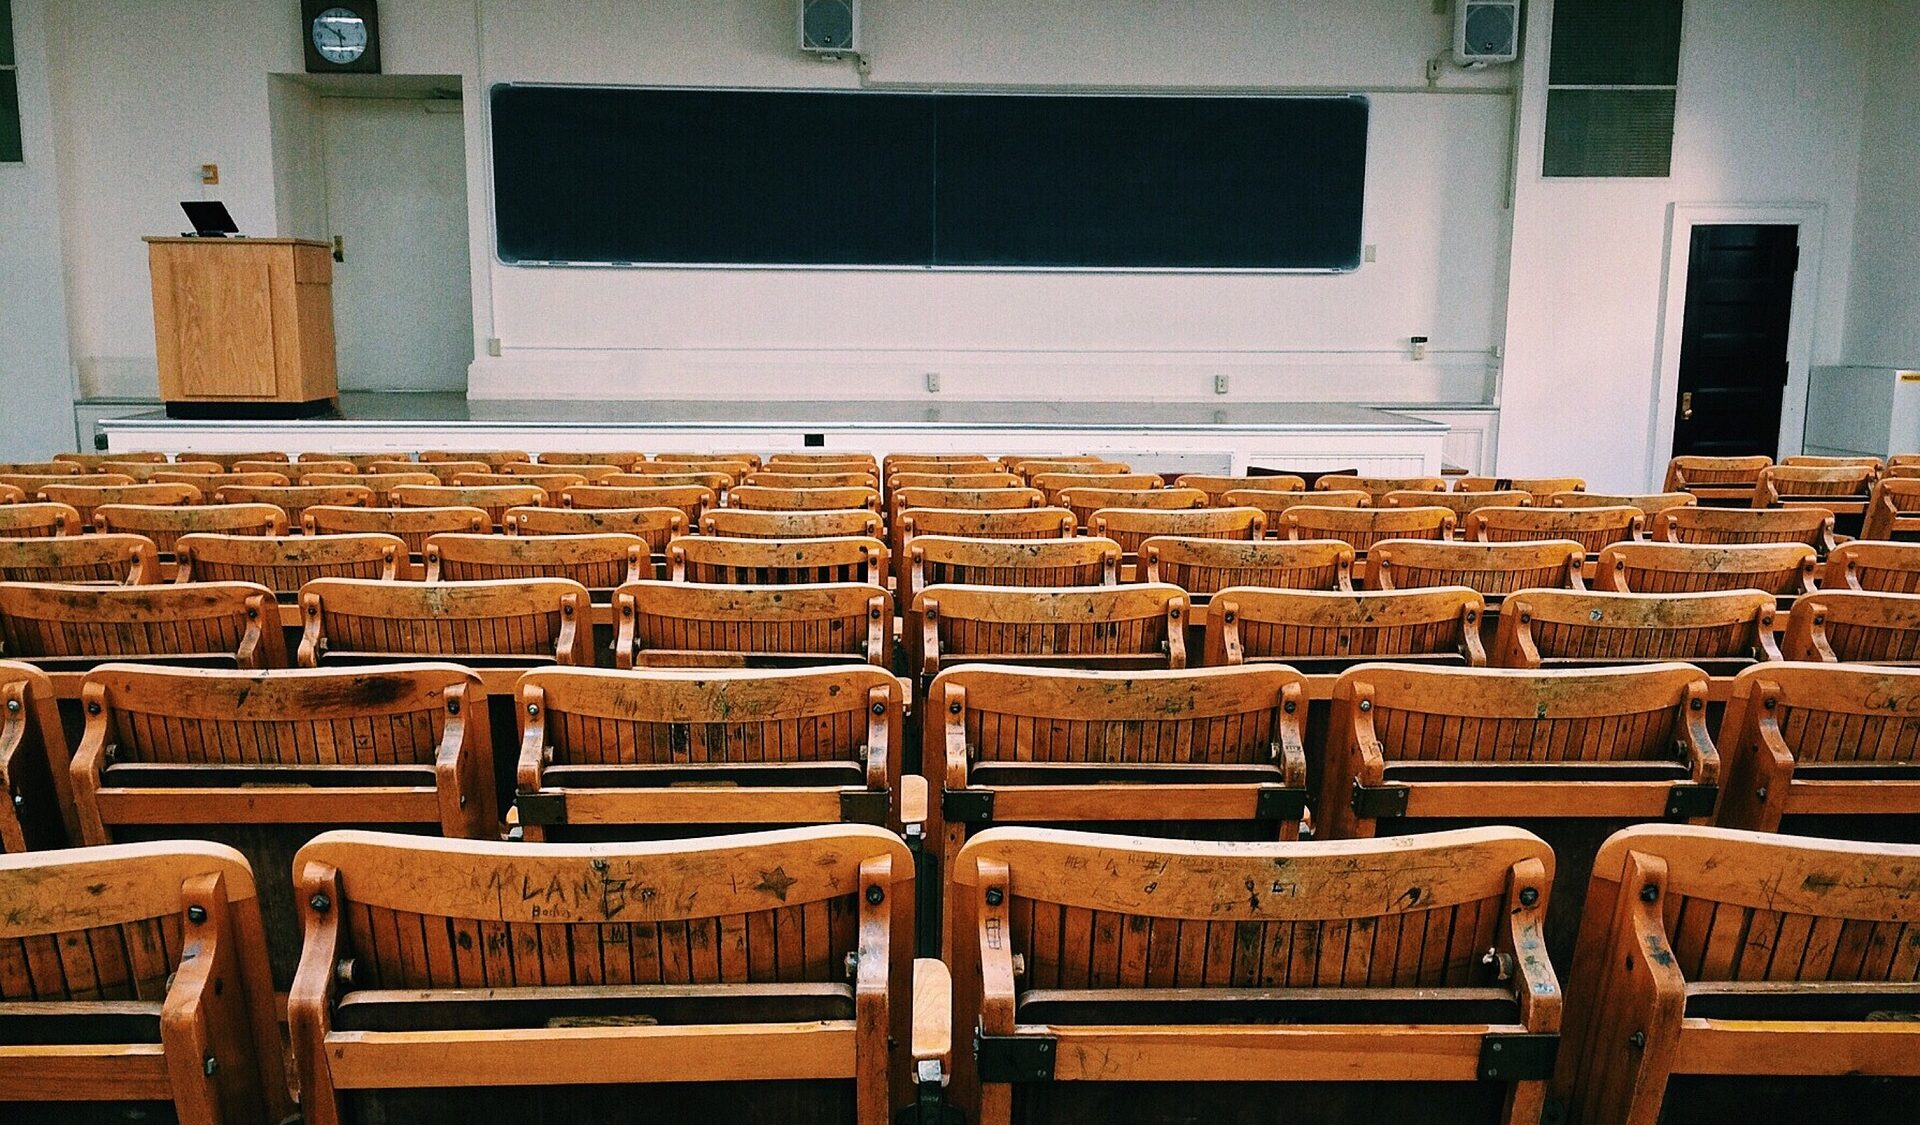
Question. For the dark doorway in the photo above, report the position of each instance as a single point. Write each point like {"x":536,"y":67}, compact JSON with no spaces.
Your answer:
{"x":1733,"y":342}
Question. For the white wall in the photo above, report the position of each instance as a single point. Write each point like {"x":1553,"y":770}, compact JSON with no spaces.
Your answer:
{"x":1769,"y":111}
{"x":33,"y":317}
{"x":1883,"y":317}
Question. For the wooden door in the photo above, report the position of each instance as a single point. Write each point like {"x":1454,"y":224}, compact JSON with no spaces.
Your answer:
{"x":1733,"y":344}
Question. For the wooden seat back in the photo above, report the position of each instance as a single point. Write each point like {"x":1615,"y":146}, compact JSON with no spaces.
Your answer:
{"x":832,"y":523}
{"x":1592,"y":528}
{"x":1088,"y":465}
{"x":138,"y":973}
{"x":1893,"y":509}
{"x":1130,"y":527}
{"x":948,"y":560}
{"x":527,"y":621}
{"x":968,"y":499}
{"x":682,"y":624}
{"x":1809,"y":461}
{"x":589,"y":470}
{"x":970,"y":523}
{"x":1361,"y":528}
{"x":296,"y":499}
{"x":493,"y":459}
{"x":443,"y":472}
{"x":1710,"y":951}
{"x":494,"y":499}
{"x":1084,"y":502}
{"x":1276,"y":504}
{"x":1141,"y":625}
{"x":296,"y":473}
{"x":285,"y":563}
{"x":777,"y":562}
{"x":1879,"y":567}
{"x":30,"y":484}
{"x":1206,"y":566}
{"x":1852,"y":627}
{"x":84,"y":498}
{"x":1566,"y":628}
{"x":91,"y":462}
{"x":1377,"y":488}
{"x":264,"y":760}
{"x":34,"y":761}
{"x":1715,"y":478}
{"x":1812,"y":526}
{"x":662,"y":476}
{"x":1321,"y":630}
{"x":965,"y":478}
{"x":698,"y":749}
{"x":938,"y":463}
{"x":412,"y":525}
{"x":598,"y":562}
{"x":60,"y":467}
{"x":1840,"y":489}
{"x":142,"y":472}
{"x":211,"y":483}
{"x":1053,"y":485}
{"x":690,"y":500}
{"x":735,"y":469}
{"x":1217,"y":487}
{"x":380,"y":484}
{"x":656,"y":526}
{"x":12,"y":495}
{"x":714,"y":460}
{"x":769,"y":478}
{"x":624,"y":459}
{"x":1461,"y":504}
{"x":71,"y":628}
{"x":228,"y":459}
{"x":1108,"y":947}
{"x":1540,"y":489}
{"x":1492,"y":569}
{"x":100,"y":559}
{"x":1821,"y":743}
{"x":552,"y":480}
{"x":166,"y":525}
{"x":1784,"y":569}
{"x":761,"y":498}
{"x":1649,"y":503}
{"x":359,"y":461}
{"x":835,"y":457}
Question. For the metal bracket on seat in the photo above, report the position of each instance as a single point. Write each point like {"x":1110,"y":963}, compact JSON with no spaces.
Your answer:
{"x":541,"y":808}
{"x":1687,"y":801}
{"x":1376,"y":802}
{"x":1274,"y":802}
{"x":1013,"y":1058}
{"x":1518,"y":1058}
{"x":967,"y":806}
{"x":865,"y":806}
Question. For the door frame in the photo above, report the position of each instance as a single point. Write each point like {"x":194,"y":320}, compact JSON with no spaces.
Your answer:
{"x":1681,"y":219}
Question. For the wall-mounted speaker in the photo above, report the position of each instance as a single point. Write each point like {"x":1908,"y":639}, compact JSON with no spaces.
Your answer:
{"x":830,"y":27}
{"x":1486,"y":31}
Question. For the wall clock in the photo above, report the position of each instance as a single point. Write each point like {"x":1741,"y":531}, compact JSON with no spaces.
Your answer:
{"x":341,"y":36}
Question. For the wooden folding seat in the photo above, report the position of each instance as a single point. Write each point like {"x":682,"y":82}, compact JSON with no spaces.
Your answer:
{"x":1893,"y":510}
{"x":34,"y":772}
{"x":1812,"y":526}
{"x":1130,"y":527}
{"x":1491,"y":569}
{"x":598,"y":562}
{"x":37,"y":521}
{"x":264,"y":761}
{"x":64,"y":628}
{"x":1852,"y":627}
{"x":30,"y":484}
{"x":1649,"y":503}
{"x":659,"y":476}
{"x":228,"y":460}
{"x":771,"y":478}
{"x":756,"y":977}
{"x":751,"y":460}
{"x":92,"y":560}
{"x":1361,"y":528}
{"x":690,"y":500}
{"x":1540,"y":489}
{"x":360,"y":461}
{"x":11,"y":495}
{"x":624,"y":459}
{"x":830,"y":523}
{"x":947,"y":560}
{"x":1276,"y":504}
{"x":492,"y":499}
{"x":58,"y":467}
{"x":84,"y":498}
{"x":966,"y":499}
{"x":134,"y":985}
{"x":297,"y":473}
{"x":610,"y":755}
{"x":1808,"y":461}
{"x":1084,"y":502}
{"x":1203,"y":567}
{"x":210,"y":483}
{"x":1321,"y":631}
{"x":765,"y":499}
{"x":525,"y":622}
{"x":1116,"y":978}
{"x":1721,"y":632}
{"x":1782,"y":569}
{"x":1592,"y":528}
{"x":1142,"y":625}
{"x":959,"y":480}
{"x":1723,"y":480}
{"x":1378,"y":487}
{"x":180,"y":472}
{"x":776,"y":562}
{"x":1842,"y":491}
{"x":296,"y":499}
{"x":491,"y":458}
{"x":380,"y":484}
{"x":445,"y":472}
{"x":829,"y":458}
{"x":90,"y":462}
{"x":684,"y":624}
{"x":553,"y":482}
{"x":1727,"y":976}
{"x":1217,"y":487}
{"x":412,"y":525}
{"x":286,"y":563}
{"x":1052,"y":485}
{"x":1881,"y":568}
{"x":1461,"y":504}
{"x":654,"y":526}
{"x":1209,"y":753}
{"x":1570,"y":755}
{"x":165,"y":525}
{"x":1823,"y":750}
{"x":974,"y":523}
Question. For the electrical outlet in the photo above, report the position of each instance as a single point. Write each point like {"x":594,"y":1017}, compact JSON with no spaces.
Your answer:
{"x":1219,"y":384}
{"x":933,"y":382}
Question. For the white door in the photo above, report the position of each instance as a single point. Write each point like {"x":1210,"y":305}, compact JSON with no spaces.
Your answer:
{"x":396,"y":183}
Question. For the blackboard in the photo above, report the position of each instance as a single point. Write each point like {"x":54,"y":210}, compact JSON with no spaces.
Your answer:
{"x":617,"y":175}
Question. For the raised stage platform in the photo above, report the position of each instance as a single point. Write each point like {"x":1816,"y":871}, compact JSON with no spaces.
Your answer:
{"x":1151,"y":436}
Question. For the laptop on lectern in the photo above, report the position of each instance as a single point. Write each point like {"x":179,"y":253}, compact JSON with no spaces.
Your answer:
{"x":209,"y":218}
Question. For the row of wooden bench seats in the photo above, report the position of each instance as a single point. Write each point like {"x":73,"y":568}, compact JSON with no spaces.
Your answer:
{"x":769,"y":976}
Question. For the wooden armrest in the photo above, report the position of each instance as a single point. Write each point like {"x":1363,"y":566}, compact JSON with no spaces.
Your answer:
{"x":933,"y":1014}
{"x":913,"y":799}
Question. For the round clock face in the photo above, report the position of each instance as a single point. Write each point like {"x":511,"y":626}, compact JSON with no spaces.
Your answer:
{"x":340,"y":35}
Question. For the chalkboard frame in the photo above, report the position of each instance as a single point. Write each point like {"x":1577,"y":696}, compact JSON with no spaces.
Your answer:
{"x":1350,"y":265}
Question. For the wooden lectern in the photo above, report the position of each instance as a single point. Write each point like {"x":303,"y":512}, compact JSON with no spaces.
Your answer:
{"x":244,"y":326}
